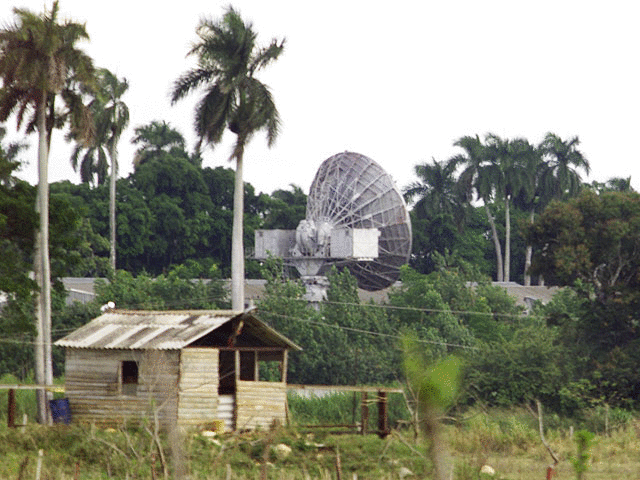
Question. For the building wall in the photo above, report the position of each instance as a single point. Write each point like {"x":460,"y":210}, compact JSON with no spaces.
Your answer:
{"x":177,"y":386}
{"x":260,"y":404}
{"x":198,"y":388}
{"x":94,"y":389}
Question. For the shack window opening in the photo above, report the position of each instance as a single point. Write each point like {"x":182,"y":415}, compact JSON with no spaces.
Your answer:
{"x":129,"y":376}
{"x":247,"y":365}
{"x":270,"y":371}
{"x":270,"y":367}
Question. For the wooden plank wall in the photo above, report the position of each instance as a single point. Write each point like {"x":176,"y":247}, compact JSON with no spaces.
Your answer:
{"x":198,"y":392}
{"x":93,"y":389}
{"x":260,"y":404}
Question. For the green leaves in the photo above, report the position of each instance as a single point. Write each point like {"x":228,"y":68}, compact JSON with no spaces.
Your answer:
{"x":438,"y":384}
{"x":584,"y":442}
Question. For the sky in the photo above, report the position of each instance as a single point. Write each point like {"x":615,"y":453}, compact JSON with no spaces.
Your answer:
{"x":398,"y":81}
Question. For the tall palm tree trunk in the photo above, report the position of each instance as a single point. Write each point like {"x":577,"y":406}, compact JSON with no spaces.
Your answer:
{"x":528,"y":256}
{"x":112,"y":206}
{"x":496,"y":243}
{"x":507,"y":239}
{"x":237,"y":244}
{"x":44,"y":367}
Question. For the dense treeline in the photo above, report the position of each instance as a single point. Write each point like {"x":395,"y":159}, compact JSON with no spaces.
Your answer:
{"x":170,"y":211}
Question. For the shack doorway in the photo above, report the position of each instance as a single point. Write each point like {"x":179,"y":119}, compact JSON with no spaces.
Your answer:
{"x":227,"y":388}
{"x":227,"y":373}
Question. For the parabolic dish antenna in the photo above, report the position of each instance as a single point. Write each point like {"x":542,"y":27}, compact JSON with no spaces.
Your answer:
{"x":356,"y":218}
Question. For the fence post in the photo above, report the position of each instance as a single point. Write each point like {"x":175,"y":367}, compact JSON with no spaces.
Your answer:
{"x":365,"y":413}
{"x":383,"y":417}
{"x":11,"y":408}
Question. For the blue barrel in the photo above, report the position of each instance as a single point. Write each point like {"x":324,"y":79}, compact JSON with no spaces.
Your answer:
{"x":60,"y":411}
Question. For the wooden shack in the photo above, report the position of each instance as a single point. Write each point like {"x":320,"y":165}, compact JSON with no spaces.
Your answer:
{"x":185,"y":368}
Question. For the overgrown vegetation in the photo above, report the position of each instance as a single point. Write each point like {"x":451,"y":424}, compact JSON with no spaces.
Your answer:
{"x":505,"y":440}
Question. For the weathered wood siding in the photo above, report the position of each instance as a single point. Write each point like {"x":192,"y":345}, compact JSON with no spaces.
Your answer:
{"x":198,"y":392}
{"x":93,"y":387}
{"x":260,"y":404}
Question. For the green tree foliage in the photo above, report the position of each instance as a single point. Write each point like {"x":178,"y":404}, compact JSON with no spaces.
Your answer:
{"x":18,"y":221}
{"x":157,"y":139}
{"x":422,"y":310}
{"x":178,"y":198}
{"x":111,"y":116}
{"x":170,"y":211}
{"x":344,"y":342}
{"x":522,"y":363}
{"x":438,"y":192}
{"x":283,"y":306}
{"x":592,"y":243}
{"x":284,"y":209}
{"x":177,"y":290}
{"x":354,"y":356}
{"x":71,"y":252}
{"x":594,"y":239}
{"x":563,"y":160}
{"x":441,"y":218}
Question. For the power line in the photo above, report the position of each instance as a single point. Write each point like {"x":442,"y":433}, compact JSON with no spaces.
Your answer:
{"x":369,"y":332}
{"x":426,"y":310}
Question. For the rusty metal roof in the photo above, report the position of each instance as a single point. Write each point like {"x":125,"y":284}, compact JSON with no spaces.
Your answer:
{"x":162,"y":330}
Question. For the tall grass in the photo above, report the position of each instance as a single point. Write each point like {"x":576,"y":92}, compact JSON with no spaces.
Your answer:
{"x":508,"y":440}
{"x":344,"y":409}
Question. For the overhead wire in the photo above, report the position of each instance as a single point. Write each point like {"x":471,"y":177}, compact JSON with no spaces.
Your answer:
{"x":369,"y":332}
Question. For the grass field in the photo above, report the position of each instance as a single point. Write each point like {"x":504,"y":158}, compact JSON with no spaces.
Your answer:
{"x":508,"y":441}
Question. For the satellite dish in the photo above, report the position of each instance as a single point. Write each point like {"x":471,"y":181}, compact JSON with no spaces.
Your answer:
{"x":356,"y":218}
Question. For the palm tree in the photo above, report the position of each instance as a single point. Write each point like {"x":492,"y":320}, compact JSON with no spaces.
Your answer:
{"x":561,"y":178}
{"x":532,"y":197}
{"x":228,"y":60}
{"x":508,"y":169}
{"x":155,"y":138}
{"x":619,"y":184}
{"x":478,"y":176}
{"x":111,"y":116}
{"x":39,"y":60}
{"x":437,"y":191}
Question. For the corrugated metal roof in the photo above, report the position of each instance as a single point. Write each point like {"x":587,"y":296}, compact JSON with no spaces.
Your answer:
{"x":161,"y":330}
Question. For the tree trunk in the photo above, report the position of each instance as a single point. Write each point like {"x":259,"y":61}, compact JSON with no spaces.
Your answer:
{"x":113,"y":153}
{"x":507,"y":239}
{"x":528,"y":255}
{"x":496,"y":243}
{"x":237,"y":245}
{"x":44,"y":367}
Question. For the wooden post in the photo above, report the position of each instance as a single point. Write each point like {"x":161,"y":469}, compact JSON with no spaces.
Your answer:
{"x":284,"y":365}
{"x":256,"y":368}
{"x":365,"y":413}
{"x":338,"y":465}
{"x":383,"y":417}
{"x":11,"y":409}
{"x":237,"y":369}
{"x":39,"y":464}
